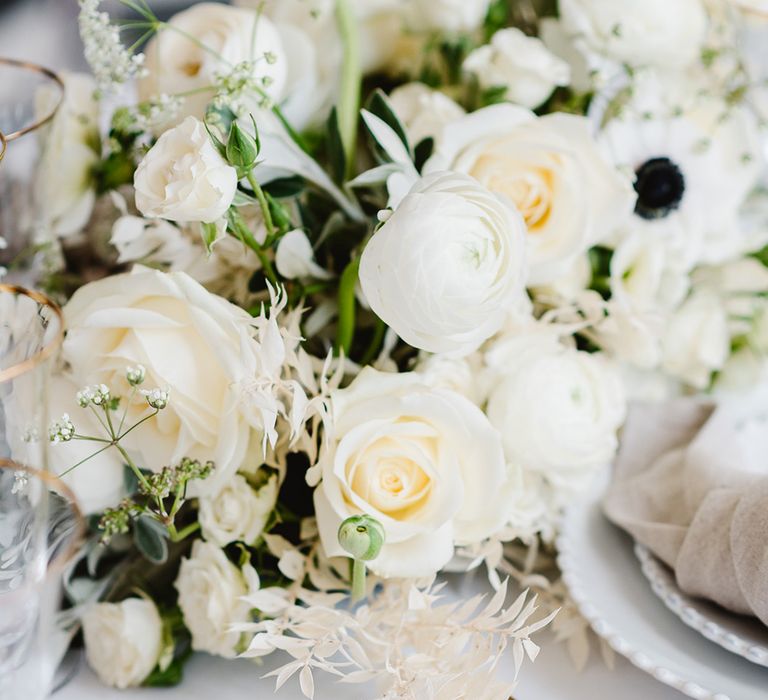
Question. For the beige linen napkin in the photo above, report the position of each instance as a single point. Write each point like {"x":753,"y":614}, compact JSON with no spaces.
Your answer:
{"x":691,"y":484}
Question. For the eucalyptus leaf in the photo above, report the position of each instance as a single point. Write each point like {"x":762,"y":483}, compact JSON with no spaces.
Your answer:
{"x":284,"y":187}
{"x":150,"y":538}
{"x":389,"y":141}
{"x":422,"y":152}
{"x":336,"y":154}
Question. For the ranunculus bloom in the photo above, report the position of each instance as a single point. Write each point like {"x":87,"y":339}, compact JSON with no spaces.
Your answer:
{"x":522,"y":64}
{"x":423,"y":111}
{"x":444,"y":269}
{"x":190,"y":341}
{"x":424,"y":462}
{"x":551,"y":169}
{"x":184,"y":178}
{"x":445,"y":15}
{"x":123,"y":641}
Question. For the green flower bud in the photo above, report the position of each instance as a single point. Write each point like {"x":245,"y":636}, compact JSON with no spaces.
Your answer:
{"x":362,"y":536}
{"x":242,"y":148}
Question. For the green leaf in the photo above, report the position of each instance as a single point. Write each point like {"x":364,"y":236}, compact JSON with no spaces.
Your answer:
{"x":493,"y":95}
{"x":130,"y":482}
{"x":422,"y":152}
{"x":168,"y":678}
{"x":761,"y":256}
{"x":210,"y":233}
{"x":379,"y":104}
{"x":149,"y":536}
{"x":336,"y":155}
{"x":285,"y":187}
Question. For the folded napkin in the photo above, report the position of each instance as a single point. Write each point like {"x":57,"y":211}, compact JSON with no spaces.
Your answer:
{"x":691,"y":484}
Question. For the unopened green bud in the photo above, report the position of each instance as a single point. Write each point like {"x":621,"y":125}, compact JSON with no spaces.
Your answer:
{"x":242,"y":148}
{"x":362,"y":536}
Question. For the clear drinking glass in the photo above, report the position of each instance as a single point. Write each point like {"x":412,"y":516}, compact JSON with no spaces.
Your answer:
{"x":30,"y":96}
{"x":39,"y":520}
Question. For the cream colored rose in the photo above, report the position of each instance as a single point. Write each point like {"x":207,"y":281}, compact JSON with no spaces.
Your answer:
{"x":651,"y":32}
{"x":557,"y":408}
{"x":123,"y":641}
{"x":424,"y":462}
{"x":190,"y":341}
{"x":184,"y":178}
{"x":238,"y":512}
{"x":522,"y":64}
{"x":65,"y":187}
{"x":423,"y":111}
{"x":445,"y":268}
{"x":445,"y":15}
{"x":551,"y":169}
{"x":696,"y":341}
{"x":207,"y":40}
{"x":210,"y":589}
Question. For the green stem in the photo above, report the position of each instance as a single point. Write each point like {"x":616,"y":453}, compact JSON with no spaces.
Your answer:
{"x":358,"y":580}
{"x":142,"y":479}
{"x":82,"y":461}
{"x":263,"y":203}
{"x":351,"y":78}
{"x":346,"y":300}
{"x":376,"y":341}
{"x":178,"y":536}
{"x":136,"y":425}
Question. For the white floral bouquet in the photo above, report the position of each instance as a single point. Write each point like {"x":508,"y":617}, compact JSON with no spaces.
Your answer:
{"x":364,"y":288}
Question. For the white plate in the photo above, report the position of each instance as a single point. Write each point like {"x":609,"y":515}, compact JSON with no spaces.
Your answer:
{"x":606,"y":583}
{"x":739,"y":634}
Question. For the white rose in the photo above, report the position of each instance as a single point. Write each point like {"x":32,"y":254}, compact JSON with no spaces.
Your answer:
{"x":184,"y":178}
{"x":651,"y":32}
{"x":206,"y":41}
{"x":551,"y":169}
{"x":123,"y":641}
{"x":210,"y":590}
{"x":522,"y":64}
{"x":194,"y":343}
{"x":238,"y":512}
{"x":446,"y":265}
{"x":424,"y":462}
{"x":446,"y":15}
{"x":70,"y":150}
{"x":557,"y":408}
{"x":423,"y":111}
{"x":696,"y":341}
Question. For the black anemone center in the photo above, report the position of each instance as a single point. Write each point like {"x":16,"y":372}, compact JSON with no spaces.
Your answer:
{"x":660,"y":186}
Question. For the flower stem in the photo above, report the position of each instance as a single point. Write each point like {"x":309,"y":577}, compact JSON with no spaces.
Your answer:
{"x":358,"y":580}
{"x":346,"y":300}
{"x":178,"y":536}
{"x":263,"y":203}
{"x":351,"y":77}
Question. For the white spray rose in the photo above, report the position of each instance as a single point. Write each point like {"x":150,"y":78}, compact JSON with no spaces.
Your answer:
{"x":423,"y":111}
{"x":446,"y":15}
{"x":424,"y":462}
{"x":71,"y":148}
{"x":184,"y":178}
{"x":557,"y":408}
{"x":650,"y":32}
{"x":190,"y":341}
{"x":238,"y":512}
{"x":446,"y":266}
{"x":209,"y":40}
{"x":210,"y":590}
{"x":696,"y":341}
{"x":551,"y":169}
{"x":123,"y":641}
{"x":522,"y":64}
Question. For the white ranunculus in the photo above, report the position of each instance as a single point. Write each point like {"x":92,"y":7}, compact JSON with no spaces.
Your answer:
{"x":423,"y":111}
{"x":210,"y":589}
{"x":522,"y":64}
{"x":569,"y":285}
{"x":446,"y":266}
{"x":445,"y":15}
{"x":557,"y":408}
{"x":424,"y":462}
{"x":190,"y":341}
{"x":696,"y":342}
{"x":631,"y":335}
{"x":459,"y":374}
{"x":238,"y":512}
{"x":294,"y":257}
{"x":184,"y":178}
{"x":551,"y":169}
{"x":651,"y":32}
{"x":123,"y":641}
{"x":208,"y":40}
{"x":71,"y":148}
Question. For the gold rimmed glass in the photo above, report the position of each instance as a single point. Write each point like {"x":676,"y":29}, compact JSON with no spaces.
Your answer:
{"x":30,"y":96}
{"x":41,"y":529}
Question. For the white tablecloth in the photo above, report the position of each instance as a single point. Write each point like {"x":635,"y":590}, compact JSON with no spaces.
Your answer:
{"x":551,"y":677}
